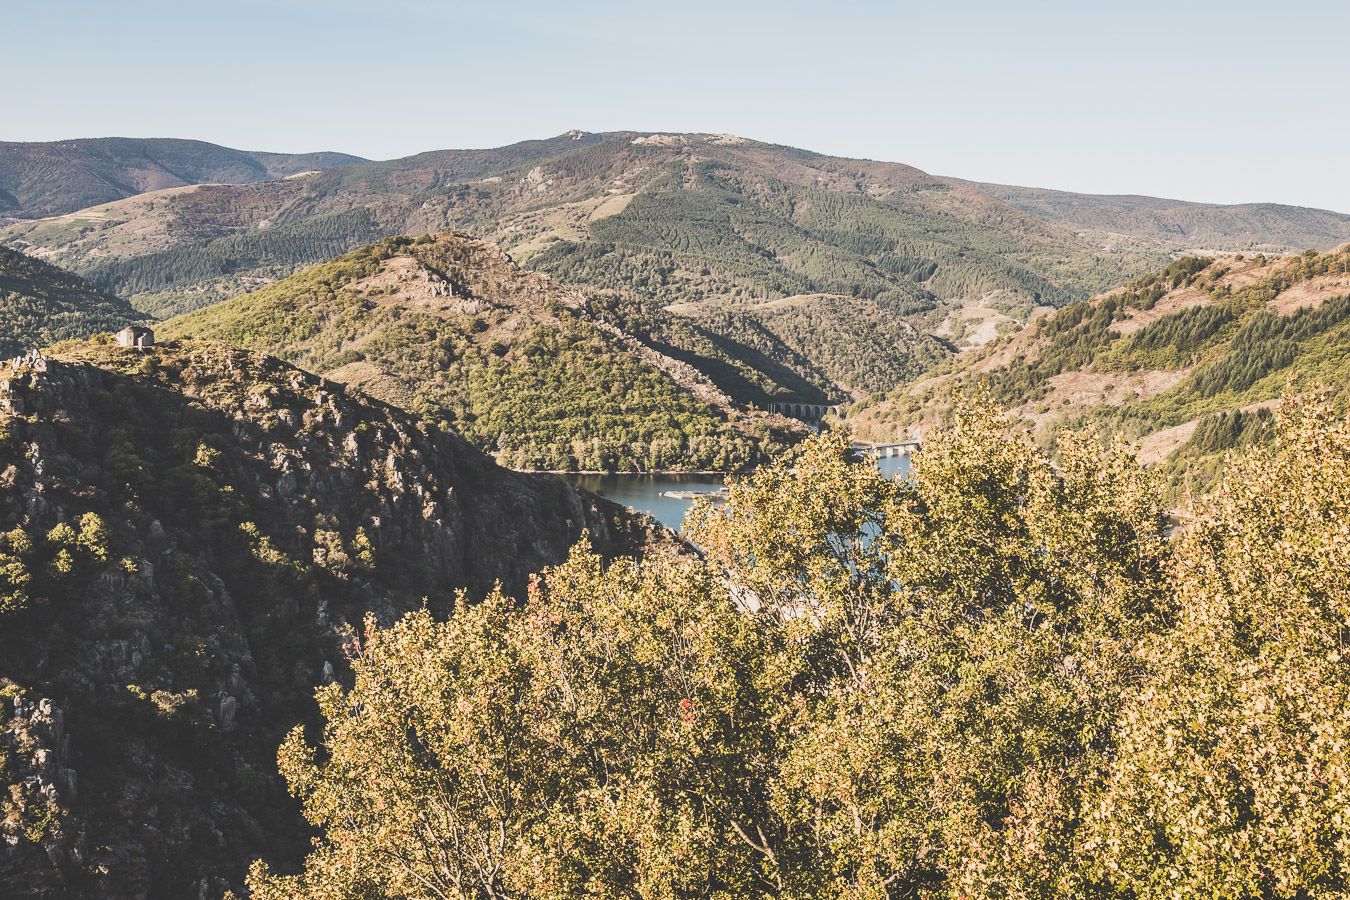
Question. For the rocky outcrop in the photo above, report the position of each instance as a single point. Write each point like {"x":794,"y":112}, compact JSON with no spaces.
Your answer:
{"x":35,"y":839}
{"x":186,"y":534}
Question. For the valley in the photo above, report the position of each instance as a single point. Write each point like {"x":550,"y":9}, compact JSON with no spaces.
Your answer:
{"x":892,"y":451}
{"x":723,"y":274}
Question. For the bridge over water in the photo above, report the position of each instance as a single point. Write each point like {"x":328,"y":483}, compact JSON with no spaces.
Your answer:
{"x":887,"y":451}
{"x":807,"y":412}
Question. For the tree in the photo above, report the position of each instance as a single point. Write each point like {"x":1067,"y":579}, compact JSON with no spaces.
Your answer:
{"x":1232,"y":777}
{"x":999,"y":678}
{"x":961,"y":642}
{"x":596,"y":743}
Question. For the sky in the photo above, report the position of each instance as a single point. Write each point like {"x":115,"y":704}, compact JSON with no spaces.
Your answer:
{"x":1222,"y":102}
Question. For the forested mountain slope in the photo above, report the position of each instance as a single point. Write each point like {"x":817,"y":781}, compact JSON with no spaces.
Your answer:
{"x":1192,"y":357}
{"x":45,"y":179}
{"x":1146,"y":222}
{"x":449,"y":328}
{"x":857,"y":345}
{"x":184,"y":531}
{"x":816,"y":263}
{"x":657,"y":217}
{"x":40,"y":304}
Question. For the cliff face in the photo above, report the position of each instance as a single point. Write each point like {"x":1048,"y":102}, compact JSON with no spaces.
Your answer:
{"x":185,"y":532}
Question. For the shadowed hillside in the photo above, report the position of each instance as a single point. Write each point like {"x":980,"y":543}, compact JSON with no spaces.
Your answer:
{"x":40,"y":304}
{"x":184,"y":533}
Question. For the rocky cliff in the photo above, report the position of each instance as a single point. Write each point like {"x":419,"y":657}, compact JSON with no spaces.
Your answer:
{"x":184,"y":532}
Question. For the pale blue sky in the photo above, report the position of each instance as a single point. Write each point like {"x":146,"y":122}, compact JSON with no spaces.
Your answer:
{"x":1219,"y":101}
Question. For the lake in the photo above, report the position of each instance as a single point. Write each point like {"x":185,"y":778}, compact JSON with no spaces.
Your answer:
{"x":645,"y":493}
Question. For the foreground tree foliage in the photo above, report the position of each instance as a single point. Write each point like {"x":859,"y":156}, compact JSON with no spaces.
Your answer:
{"x":1232,"y":777}
{"x":999,"y":679}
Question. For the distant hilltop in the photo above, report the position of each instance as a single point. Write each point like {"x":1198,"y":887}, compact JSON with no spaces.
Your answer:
{"x":46,"y":179}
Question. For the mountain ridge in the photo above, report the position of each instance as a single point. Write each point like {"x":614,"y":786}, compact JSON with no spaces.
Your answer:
{"x":188,"y":246}
{"x":266,"y":230}
{"x":100,"y":170}
{"x":1187,"y":362}
{"x":448,"y":327}
{"x":1182,"y":224}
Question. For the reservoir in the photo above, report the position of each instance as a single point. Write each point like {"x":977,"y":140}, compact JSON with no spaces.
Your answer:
{"x":650,"y":493}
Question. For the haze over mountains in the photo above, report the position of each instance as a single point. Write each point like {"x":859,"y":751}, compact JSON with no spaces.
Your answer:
{"x":43,"y":179}
{"x":1177,"y":224}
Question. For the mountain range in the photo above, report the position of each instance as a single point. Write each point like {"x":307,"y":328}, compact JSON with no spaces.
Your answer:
{"x":713,"y":275}
{"x":45,"y":179}
{"x":695,"y":217}
{"x":647,"y":214}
